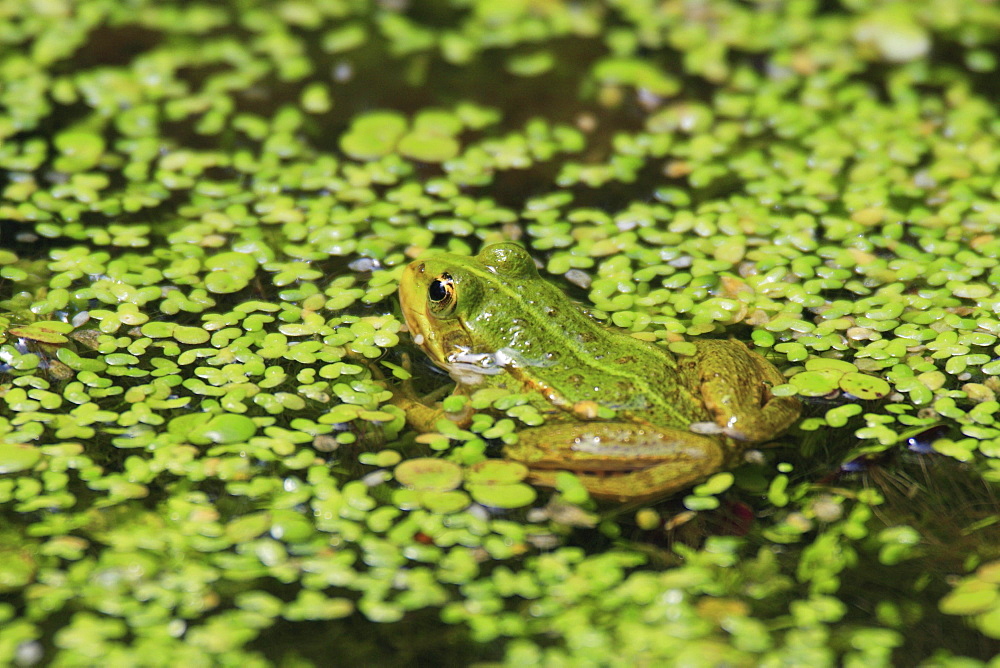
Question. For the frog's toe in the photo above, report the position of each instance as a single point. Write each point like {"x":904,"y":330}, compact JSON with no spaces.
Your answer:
{"x":709,"y":428}
{"x":715,"y":429}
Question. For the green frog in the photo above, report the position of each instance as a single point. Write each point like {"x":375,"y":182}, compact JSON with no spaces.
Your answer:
{"x":492,"y":321}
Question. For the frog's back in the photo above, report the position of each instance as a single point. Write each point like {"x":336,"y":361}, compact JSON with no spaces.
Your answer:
{"x":548,"y":343}
{"x":579,"y":359}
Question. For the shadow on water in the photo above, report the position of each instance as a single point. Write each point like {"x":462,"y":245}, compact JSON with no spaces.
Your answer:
{"x":420,"y":640}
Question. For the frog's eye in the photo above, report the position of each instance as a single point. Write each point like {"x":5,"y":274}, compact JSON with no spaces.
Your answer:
{"x":441,"y":290}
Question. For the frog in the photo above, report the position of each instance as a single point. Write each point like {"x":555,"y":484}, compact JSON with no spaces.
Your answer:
{"x":631,"y":419}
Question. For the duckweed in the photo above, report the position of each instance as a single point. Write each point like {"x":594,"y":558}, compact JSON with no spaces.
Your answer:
{"x":199,"y":460}
{"x":977,"y":597}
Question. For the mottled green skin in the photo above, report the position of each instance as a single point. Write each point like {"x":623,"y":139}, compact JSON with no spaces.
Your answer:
{"x":500,"y":325}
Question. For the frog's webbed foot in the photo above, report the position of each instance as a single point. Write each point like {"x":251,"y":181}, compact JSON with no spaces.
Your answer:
{"x":738,"y":432}
{"x":423,"y":412}
{"x":715,"y":429}
{"x":736,"y":387}
{"x":755,"y":418}
{"x":403,"y":386}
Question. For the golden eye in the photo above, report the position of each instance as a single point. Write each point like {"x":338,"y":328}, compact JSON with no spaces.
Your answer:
{"x":441,"y":289}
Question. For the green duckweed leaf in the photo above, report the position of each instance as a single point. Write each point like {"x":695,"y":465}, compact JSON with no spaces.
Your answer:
{"x":223,"y":282}
{"x":971,"y":597}
{"x":38,"y":332}
{"x":429,"y":474}
{"x":838,"y":416}
{"x":373,"y":135}
{"x":530,"y":65}
{"x":717,"y":484}
{"x":822,"y":363}
{"x":17,"y":569}
{"x":228,"y":428}
{"x":496,"y":472}
{"x":428,"y":147}
{"x":864,"y":386}
{"x":515,"y":495}
{"x":816,"y":383}
{"x":314,"y":605}
{"x":16,"y":457}
{"x":191,"y":335}
{"x":444,"y":502}
{"x":989,"y":622}
{"x":383,"y":458}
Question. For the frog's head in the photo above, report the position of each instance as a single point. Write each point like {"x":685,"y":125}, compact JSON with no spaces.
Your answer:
{"x":456,"y":305}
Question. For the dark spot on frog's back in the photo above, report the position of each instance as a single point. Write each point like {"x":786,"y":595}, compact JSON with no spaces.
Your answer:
{"x":575,"y":379}
{"x":585,"y":337}
{"x":625,"y":359}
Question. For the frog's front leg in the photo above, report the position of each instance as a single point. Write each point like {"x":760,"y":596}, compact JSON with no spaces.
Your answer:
{"x":735,"y":384}
{"x":423,"y":412}
{"x":619,"y":460}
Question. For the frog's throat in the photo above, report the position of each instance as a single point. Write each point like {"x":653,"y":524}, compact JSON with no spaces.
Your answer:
{"x":423,"y":335}
{"x":418,"y":322}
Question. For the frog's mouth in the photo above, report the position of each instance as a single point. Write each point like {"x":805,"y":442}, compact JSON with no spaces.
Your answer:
{"x":418,"y":320}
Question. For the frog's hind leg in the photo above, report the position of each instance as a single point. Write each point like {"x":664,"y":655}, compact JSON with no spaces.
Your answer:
{"x":619,"y":460}
{"x":736,"y":384}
